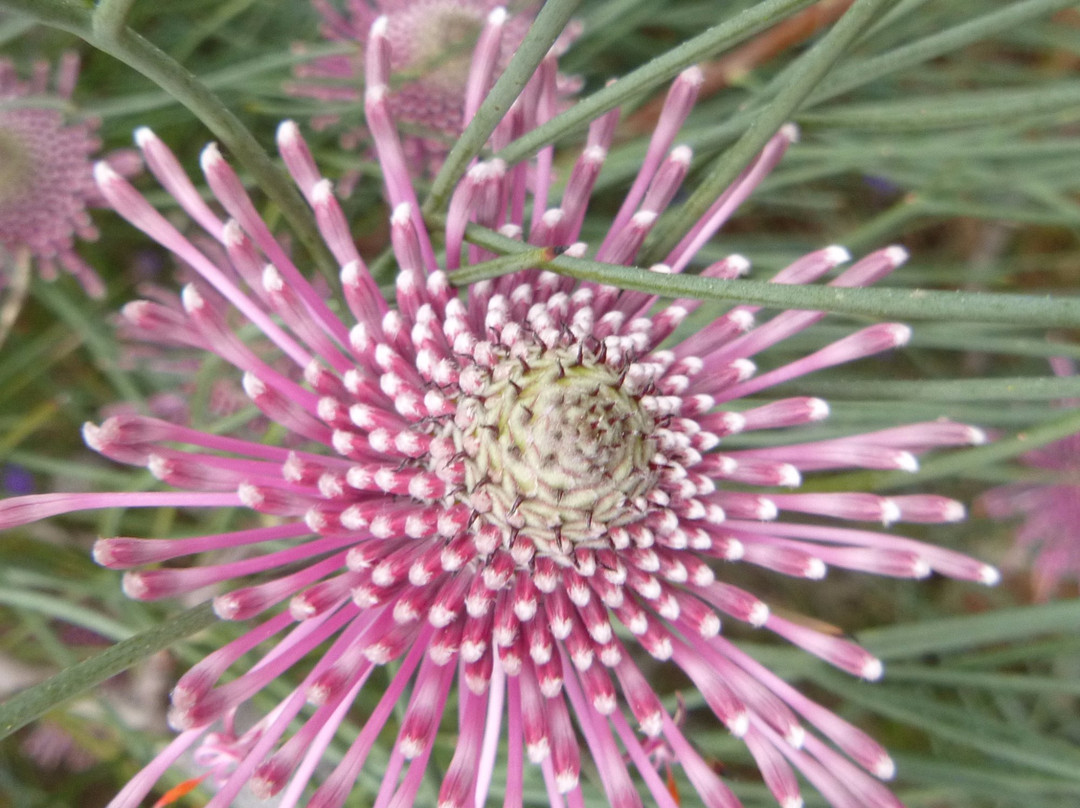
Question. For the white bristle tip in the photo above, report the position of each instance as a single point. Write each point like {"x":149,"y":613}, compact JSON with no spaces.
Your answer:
{"x":872,"y":670}
{"x":896,"y":254}
{"x":836,"y":254}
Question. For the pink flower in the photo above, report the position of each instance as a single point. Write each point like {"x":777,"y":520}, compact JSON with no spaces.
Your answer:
{"x":51,"y":746}
{"x":432,"y":44}
{"x":1050,"y":511}
{"x":516,"y":495}
{"x":46,"y":176}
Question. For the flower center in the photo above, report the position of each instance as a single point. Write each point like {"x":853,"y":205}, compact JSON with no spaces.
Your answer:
{"x":556,"y":450}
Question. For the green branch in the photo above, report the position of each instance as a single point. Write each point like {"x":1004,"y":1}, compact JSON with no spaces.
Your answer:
{"x":904,"y":304}
{"x":110,"y":18}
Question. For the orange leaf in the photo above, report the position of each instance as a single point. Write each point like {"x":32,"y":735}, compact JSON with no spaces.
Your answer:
{"x":176,"y":792}
{"x":673,"y":787}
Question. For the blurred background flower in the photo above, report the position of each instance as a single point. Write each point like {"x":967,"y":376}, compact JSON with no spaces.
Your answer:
{"x":46,"y":184}
{"x":432,"y":45}
{"x":1048,"y":537}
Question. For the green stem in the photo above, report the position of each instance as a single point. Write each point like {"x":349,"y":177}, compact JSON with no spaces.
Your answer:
{"x":636,"y":83}
{"x":146,"y":58}
{"x":906,"y":304}
{"x":32,"y":703}
{"x":802,"y":77}
{"x":549,"y":24}
{"x":110,"y":17}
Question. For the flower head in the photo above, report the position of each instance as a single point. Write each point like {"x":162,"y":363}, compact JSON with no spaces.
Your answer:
{"x":518,"y":495}
{"x":46,"y":174}
{"x":433,"y":45}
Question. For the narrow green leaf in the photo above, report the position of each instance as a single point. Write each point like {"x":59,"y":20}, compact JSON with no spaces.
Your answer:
{"x":947,"y":110}
{"x":951,"y":40}
{"x":946,"y":336}
{"x":54,"y":606}
{"x":92,"y":332}
{"x":801,"y":78}
{"x":956,"y":463}
{"x":1012,"y":388}
{"x":955,"y":634}
{"x":712,"y":41}
{"x":1004,"y":786}
{"x":235,"y":76}
{"x":964,"y":727}
{"x":859,"y":73}
{"x":24,"y":707}
{"x":1007,"y":682}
